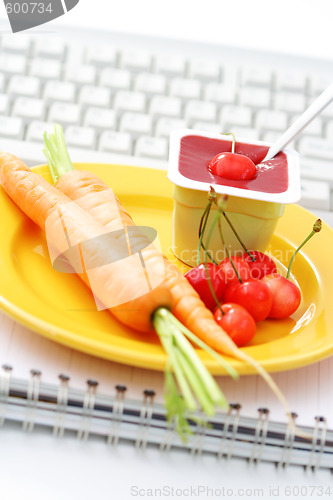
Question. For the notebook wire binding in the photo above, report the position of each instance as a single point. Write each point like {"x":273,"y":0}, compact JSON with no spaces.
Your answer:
{"x":229,"y":434}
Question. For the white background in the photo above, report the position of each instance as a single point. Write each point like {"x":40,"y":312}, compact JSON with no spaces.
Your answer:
{"x":296,"y":26}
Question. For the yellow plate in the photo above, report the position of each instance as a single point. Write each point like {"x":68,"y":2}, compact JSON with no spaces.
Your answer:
{"x":59,"y":307}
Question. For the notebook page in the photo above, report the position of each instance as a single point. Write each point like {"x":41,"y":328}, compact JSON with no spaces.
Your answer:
{"x":307,"y":389}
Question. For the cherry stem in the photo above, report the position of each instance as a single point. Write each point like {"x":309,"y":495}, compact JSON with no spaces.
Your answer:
{"x":316,"y":228}
{"x":228,"y":253}
{"x":216,"y":218}
{"x":233,"y":140}
{"x":220,"y":210}
{"x":202,"y":227}
{"x":238,"y":237}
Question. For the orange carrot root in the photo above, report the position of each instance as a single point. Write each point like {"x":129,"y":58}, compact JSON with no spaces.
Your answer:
{"x":48,"y":207}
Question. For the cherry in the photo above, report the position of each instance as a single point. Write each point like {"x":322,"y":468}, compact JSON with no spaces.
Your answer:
{"x":232,"y":166}
{"x":197,"y":276}
{"x":286,"y":295}
{"x":237,"y":322}
{"x":242,"y":268}
{"x":262,"y":265}
{"x":254,"y":295}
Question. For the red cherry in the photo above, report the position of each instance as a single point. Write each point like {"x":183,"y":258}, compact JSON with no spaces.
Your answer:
{"x":254,"y":295}
{"x":232,"y":166}
{"x":286,"y":295}
{"x":198,"y":278}
{"x":261,"y":266}
{"x":241,"y":266}
{"x":237,"y":322}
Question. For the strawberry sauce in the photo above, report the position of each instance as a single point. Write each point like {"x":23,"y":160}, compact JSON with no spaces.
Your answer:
{"x":196,"y":153}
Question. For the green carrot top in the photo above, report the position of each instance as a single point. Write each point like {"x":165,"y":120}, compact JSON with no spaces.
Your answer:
{"x":56,"y":153}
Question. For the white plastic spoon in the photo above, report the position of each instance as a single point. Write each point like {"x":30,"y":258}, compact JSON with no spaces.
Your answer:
{"x":309,"y":114}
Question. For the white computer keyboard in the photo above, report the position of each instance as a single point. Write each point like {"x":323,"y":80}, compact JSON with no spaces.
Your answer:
{"x":118,"y":98}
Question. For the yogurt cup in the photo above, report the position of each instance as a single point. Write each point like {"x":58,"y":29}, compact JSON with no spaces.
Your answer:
{"x":253,"y":206}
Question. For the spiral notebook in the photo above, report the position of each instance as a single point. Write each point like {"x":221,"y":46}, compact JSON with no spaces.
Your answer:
{"x":46,"y":384}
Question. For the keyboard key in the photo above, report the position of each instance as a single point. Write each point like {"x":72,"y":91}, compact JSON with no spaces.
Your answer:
{"x":231,"y":76}
{"x":247,"y":133}
{"x":151,"y":147}
{"x":312,"y":168}
{"x":81,"y":137}
{"x":316,"y":148}
{"x":219,"y":93}
{"x":12,"y":64}
{"x":319,"y":83}
{"x":115,"y":78}
{"x":329,"y":130}
{"x":53,"y":48}
{"x":56,"y":90}
{"x":135,"y":60}
{"x":255,"y":98}
{"x":28,"y":108}
{"x":266,"y":120}
{"x":165,"y":106}
{"x":314,"y":128}
{"x":200,"y":110}
{"x":291,"y":81}
{"x":24,"y":86}
{"x":36,"y":129}
{"x":2,"y":82}
{"x":185,"y":88}
{"x":257,"y":77}
{"x":84,"y":75}
{"x":150,"y":83}
{"x":65,"y":113}
{"x":11,"y":127}
{"x":47,"y":69}
{"x":136,"y":123}
{"x":169,"y":65}
{"x":90,"y":95}
{"x":164,"y":126}
{"x":116,"y":142}
{"x":291,"y":102}
{"x":15,"y":44}
{"x":4,"y":104}
{"x":100,"y":119}
{"x":271,"y":137}
{"x":207,"y":127}
{"x":315,"y":194}
{"x":204,"y":70}
{"x":102,"y":55}
{"x":235,"y":115}
{"x":327,"y":113}
{"x":130,"y":101}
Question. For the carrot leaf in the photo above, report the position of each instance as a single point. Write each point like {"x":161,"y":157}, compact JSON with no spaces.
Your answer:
{"x":185,"y":369}
{"x":56,"y":153}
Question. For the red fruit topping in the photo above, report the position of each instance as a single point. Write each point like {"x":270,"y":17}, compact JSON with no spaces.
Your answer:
{"x":232,"y":166}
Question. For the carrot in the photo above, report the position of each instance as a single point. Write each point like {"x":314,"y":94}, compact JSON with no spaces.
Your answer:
{"x":68,"y":225}
{"x":43,"y":203}
{"x":86,"y":189}
{"x":94,"y":196}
